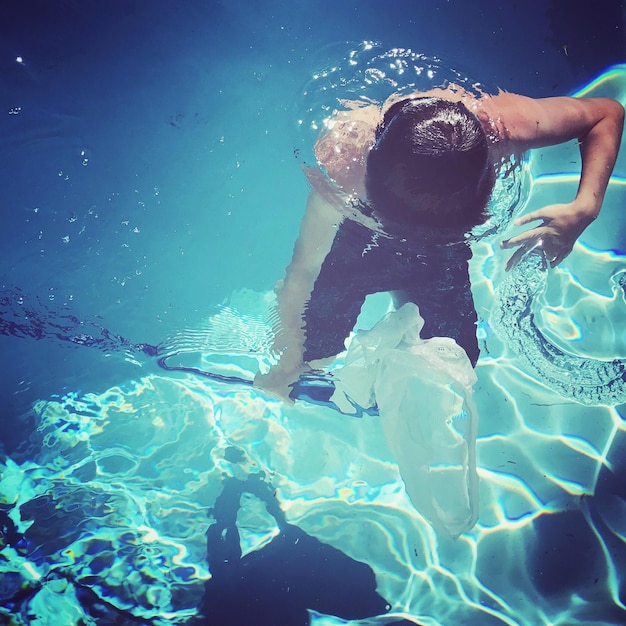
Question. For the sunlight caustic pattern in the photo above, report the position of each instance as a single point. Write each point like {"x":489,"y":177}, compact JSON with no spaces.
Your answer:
{"x":133,"y":493}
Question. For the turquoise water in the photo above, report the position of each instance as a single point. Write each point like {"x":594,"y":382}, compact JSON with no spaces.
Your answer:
{"x":153,"y":195}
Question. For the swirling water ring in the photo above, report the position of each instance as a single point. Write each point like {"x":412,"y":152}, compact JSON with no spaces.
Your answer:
{"x":588,"y":381}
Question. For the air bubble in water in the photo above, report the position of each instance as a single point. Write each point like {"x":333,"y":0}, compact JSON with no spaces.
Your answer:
{"x":84,"y":153}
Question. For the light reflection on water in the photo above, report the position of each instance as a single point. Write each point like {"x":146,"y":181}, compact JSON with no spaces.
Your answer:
{"x":132,"y":485}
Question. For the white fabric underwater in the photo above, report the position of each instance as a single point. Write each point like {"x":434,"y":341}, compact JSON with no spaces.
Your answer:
{"x":423,"y":390}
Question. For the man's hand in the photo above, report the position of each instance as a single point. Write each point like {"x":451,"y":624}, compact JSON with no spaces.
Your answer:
{"x":561,"y":226}
{"x":277,"y":383}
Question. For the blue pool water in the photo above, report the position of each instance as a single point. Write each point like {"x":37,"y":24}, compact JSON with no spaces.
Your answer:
{"x":151,"y":192}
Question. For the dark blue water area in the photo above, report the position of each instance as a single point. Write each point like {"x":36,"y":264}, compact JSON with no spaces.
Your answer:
{"x":150,"y":166}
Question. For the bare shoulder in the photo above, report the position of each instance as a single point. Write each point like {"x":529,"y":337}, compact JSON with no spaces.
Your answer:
{"x":342,"y":146}
{"x":358,"y":110}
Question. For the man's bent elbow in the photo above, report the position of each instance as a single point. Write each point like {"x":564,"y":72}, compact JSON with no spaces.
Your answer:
{"x":616,"y":112}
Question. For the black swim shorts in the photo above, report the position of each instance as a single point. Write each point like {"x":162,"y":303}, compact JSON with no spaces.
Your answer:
{"x":432,"y":273}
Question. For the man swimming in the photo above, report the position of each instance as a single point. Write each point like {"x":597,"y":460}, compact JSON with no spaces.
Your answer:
{"x":406,"y":182}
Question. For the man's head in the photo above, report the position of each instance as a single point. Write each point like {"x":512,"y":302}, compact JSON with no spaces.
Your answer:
{"x":430,"y":166}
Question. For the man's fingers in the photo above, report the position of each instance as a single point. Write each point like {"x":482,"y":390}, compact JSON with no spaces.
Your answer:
{"x":530,"y":244}
{"x":515,"y":258}
{"x":529,"y":217}
{"x":528,"y":238}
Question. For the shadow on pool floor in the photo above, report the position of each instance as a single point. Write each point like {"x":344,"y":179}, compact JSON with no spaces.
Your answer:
{"x":276,"y":585}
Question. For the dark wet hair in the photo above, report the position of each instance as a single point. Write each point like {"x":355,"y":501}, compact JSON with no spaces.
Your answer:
{"x":429,"y":166}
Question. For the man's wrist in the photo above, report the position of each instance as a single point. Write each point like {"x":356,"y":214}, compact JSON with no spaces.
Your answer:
{"x":587,"y":208}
